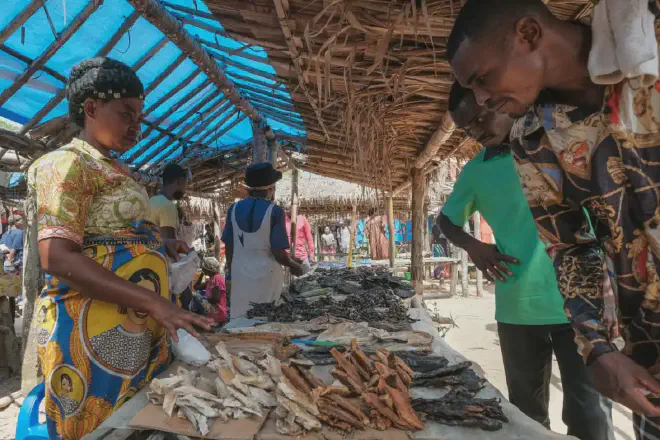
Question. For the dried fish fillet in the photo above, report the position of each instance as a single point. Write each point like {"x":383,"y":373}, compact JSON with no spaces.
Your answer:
{"x":285,"y":428}
{"x":192,"y":391}
{"x":262,"y":397}
{"x":244,"y":366}
{"x":199,"y":422}
{"x":304,"y":418}
{"x":301,"y":399}
{"x":200,"y":405}
{"x":205,"y":384}
{"x":221,"y":348}
{"x":221,"y":389}
{"x":271,"y":365}
{"x":169,"y":403}
{"x":248,"y":402}
{"x":163,"y":386}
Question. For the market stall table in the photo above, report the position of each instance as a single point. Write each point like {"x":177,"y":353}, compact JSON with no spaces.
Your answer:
{"x":519,"y":426}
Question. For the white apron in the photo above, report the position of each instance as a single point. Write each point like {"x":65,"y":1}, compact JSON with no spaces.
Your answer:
{"x":255,"y":275}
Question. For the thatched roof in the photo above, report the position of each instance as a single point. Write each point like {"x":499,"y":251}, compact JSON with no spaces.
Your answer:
{"x":369,"y":78}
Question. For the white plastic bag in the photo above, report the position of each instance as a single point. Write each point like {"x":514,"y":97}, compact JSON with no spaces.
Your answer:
{"x":189,"y":349}
{"x":182,"y":272}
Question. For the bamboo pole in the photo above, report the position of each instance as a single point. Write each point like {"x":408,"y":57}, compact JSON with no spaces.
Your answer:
{"x":419,"y":185}
{"x":160,"y":17}
{"x":294,"y":212}
{"x":282,"y":8}
{"x":390,"y":225}
{"x":234,"y":123}
{"x":165,"y":73}
{"x":351,"y":244}
{"x":477,"y":235}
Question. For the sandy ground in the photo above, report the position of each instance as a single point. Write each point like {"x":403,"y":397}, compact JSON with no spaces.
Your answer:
{"x":476,"y":338}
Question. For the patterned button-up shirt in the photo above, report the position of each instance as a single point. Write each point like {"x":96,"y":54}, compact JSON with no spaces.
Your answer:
{"x":608,"y":163}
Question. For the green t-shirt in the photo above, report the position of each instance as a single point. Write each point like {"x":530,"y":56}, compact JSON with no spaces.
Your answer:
{"x":492,"y":187}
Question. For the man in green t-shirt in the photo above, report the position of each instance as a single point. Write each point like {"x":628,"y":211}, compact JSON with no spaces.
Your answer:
{"x":528,"y":306}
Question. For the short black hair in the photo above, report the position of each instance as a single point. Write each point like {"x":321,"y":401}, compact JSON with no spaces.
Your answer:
{"x":490,"y":17}
{"x":259,"y":193}
{"x":172,"y":173}
{"x":100,"y":78}
{"x":457,"y":95}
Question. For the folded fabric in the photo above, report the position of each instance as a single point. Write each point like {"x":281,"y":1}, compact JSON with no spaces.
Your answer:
{"x":623,"y":42}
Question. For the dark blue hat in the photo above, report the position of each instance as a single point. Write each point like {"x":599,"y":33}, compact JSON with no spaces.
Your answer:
{"x":261,"y":176}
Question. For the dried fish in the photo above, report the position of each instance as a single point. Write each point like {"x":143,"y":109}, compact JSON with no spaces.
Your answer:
{"x":262,"y":397}
{"x":164,"y":386}
{"x":248,"y":402}
{"x":289,"y":391}
{"x":199,"y":422}
{"x":441,"y":372}
{"x":271,"y":366}
{"x":296,"y":379}
{"x":221,"y":389}
{"x":169,"y":402}
{"x":244,"y":366}
{"x":303,"y":417}
{"x":461,"y":408}
{"x":200,"y":405}
{"x":205,"y":384}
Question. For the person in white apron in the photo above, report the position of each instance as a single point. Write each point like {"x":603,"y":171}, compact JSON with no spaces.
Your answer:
{"x":256,"y":243}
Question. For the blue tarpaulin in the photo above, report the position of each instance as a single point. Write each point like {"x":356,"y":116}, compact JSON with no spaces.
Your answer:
{"x":34,"y":37}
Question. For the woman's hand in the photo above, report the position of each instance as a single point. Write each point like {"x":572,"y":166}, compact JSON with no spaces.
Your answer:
{"x":170,"y":316}
{"x":176,"y":247}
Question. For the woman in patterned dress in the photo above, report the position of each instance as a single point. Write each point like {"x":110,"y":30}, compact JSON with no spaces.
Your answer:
{"x":104,"y":315}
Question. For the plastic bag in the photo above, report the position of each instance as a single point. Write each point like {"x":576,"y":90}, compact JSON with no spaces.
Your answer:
{"x":189,"y":349}
{"x":182,"y":272}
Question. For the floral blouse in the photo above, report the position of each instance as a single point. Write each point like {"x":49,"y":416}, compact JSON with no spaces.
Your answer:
{"x":79,"y":193}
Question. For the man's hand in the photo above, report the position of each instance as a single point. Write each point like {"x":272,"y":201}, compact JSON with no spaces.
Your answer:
{"x":489,"y":260}
{"x":616,"y":376}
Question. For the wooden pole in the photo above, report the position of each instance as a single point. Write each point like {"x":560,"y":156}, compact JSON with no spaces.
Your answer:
{"x":464,"y":267}
{"x":259,"y":152}
{"x":351,"y":243}
{"x":294,"y":212}
{"x":419,"y":188}
{"x":454,"y":253}
{"x":477,"y":235}
{"x":272,"y":146}
{"x":390,"y":225}
{"x":217,"y":215}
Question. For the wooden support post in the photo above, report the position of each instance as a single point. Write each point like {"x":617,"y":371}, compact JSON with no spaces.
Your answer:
{"x":427,"y":238}
{"x":465,"y":279}
{"x":419,"y":188}
{"x":454,"y":253}
{"x":390,"y":225}
{"x":477,"y":235}
{"x":272,"y":146}
{"x":351,"y":243}
{"x":294,"y":212}
{"x":259,"y":152}
{"x":217,"y":216}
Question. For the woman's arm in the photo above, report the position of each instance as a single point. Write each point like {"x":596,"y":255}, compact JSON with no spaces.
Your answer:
{"x":62,"y":259}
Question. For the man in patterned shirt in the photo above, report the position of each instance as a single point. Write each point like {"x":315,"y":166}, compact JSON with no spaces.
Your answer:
{"x":598,"y":148}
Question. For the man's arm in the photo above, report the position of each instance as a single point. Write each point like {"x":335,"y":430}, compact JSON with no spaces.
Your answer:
{"x":460,"y":206}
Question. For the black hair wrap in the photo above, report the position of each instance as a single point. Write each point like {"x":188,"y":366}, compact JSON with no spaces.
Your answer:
{"x":100,"y":78}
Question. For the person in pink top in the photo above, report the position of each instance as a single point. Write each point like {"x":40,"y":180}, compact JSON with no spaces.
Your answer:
{"x":304,"y":239}
{"x":214,"y":302}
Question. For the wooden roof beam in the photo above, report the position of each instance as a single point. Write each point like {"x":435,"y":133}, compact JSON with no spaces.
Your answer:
{"x":168,"y":24}
{"x":437,"y":140}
